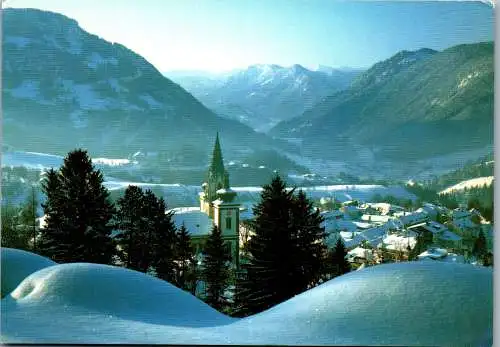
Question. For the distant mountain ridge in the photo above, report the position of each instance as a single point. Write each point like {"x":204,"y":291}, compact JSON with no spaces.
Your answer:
{"x":264,"y":94}
{"x":66,"y":88}
{"x":414,"y":105}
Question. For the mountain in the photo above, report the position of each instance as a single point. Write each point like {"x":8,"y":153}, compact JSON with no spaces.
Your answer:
{"x":263,"y":95}
{"x":64,"y":88}
{"x":415,"y":105}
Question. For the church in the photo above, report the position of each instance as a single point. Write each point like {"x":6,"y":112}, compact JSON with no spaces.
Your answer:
{"x":218,"y":205}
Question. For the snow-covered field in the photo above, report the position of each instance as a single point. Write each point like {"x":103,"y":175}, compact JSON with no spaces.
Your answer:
{"x":472,"y":183}
{"x":188,"y":194}
{"x":36,"y":160}
{"x":417,"y":303}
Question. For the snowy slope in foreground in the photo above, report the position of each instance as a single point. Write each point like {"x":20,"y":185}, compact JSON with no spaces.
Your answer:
{"x":472,"y":183}
{"x":401,"y":304}
{"x":17,"y":265}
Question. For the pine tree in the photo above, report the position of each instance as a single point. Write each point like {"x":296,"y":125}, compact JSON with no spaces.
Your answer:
{"x":164,"y":243}
{"x":12,"y":235}
{"x":78,"y":213}
{"x":186,"y":269}
{"x":28,"y":216}
{"x":286,"y":252}
{"x":53,"y":240}
{"x":269,"y":271}
{"x":152,"y":215}
{"x":215,"y":270}
{"x":308,"y":238}
{"x":129,"y":224}
{"x":337,"y":259}
{"x":480,"y":248}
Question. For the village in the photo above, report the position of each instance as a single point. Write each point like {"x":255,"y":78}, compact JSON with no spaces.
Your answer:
{"x":372,"y":232}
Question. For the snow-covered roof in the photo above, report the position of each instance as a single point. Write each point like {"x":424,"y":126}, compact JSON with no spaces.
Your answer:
{"x":434,"y":227}
{"x":374,"y":218}
{"x":433,"y":253}
{"x":196,"y":222}
{"x":448,"y":258}
{"x":360,"y":252}
{"x":460,"y":213}
{"x":462,"y":223}
{"x":450,"y":236}
{"x":414,"y":218}
{"x":399,"y":242}
{"x":225,"y":191}
{"x":348,"y":235}
{"x":331,"y":214}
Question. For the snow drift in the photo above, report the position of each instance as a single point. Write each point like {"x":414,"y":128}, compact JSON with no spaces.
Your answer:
{"x":17,"y":265}
{"x":416,"y":303}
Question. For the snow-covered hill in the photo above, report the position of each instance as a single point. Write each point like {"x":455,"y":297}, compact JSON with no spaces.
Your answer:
{"x":416,"y":303}
{"x":472,"y":183}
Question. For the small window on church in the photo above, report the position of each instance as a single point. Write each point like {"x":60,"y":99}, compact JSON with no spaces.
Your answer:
{"x":228,"y":223}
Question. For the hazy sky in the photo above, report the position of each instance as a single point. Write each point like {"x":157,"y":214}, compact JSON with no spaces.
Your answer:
{"x":225,"y":34}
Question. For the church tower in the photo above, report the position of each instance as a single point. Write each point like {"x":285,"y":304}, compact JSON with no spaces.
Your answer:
{"x":218,"y":201}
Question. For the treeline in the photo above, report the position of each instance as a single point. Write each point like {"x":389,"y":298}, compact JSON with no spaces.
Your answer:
{"x":284,"y":256}
{"x":480,"y":168}
{"x":83,"y":225}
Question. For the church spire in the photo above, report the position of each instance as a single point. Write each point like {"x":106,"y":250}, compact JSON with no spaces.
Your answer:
{"x":217,"y":165}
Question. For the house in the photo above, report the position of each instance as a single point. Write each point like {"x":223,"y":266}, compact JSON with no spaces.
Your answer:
{"x":400,"y":242}
{"x":360,"y":255}
{"x":432,"y":210}
{"x":385,"y":208}
{"x":441,"y":235}
{"x":414,"y":218}
{"x":352,"y":211}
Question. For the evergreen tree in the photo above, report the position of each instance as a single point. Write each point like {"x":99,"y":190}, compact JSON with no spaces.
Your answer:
{"x":152,"y":216}
{"x":216,"y":270}
{"x":269,"y":270}
{"x":29,"y":214}
{"x":55,"y":242}
{"x":473,"y":203}
{"x":308,"y":246}
{"x":338,"y":264}
{"x":130,"y":226}
{"x":286,"y":252}
{"x":480,"y":248}
{"x":12,"y":235}
{"x":164,"y":243}
{"x":78,"y":213}
{"x":186,"y":269}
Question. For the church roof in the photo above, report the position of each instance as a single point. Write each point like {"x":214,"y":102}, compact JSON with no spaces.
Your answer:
{"x":196,"y":222}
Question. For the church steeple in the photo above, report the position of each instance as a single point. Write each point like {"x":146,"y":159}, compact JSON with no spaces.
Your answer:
{"x":217,"y":164}
{"x":217,"y":176}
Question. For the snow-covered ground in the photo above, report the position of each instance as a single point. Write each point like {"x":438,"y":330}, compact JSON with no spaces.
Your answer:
{"x":188,"y":194}
{"x":416,"y":303}
{"x":472,"y":183}
{"x":36,"y":160}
